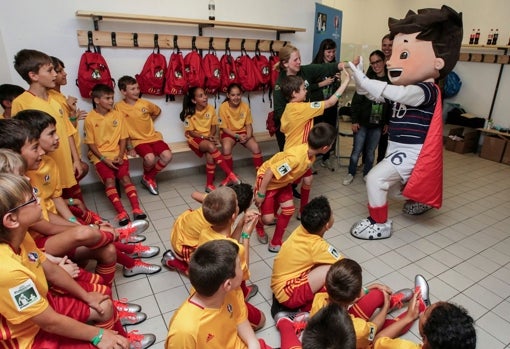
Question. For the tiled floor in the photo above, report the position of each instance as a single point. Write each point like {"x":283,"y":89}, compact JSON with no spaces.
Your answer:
{"x":463,"y":249}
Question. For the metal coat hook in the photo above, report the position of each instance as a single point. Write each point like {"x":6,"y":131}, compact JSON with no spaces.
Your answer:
{"x":135,"y":39}
{"x":227,"y":46}
{"x":211,"y":47}
{"x":193,"y":45}
{"x":114,"y":39}
{"x":243,"y":50}
{"x":90,"y":40}
{"x":156,"y":42}
{"x":176,"y":46}
{"x":257,"y":48}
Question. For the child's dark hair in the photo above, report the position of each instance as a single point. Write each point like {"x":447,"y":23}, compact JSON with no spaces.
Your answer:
{"x":125,"y":81}
{"x":326,"y":44}
{"x":8,"y":92}
{"x":321,"y":135}
{"x":290,"y":84}
{"x":344,"y":281}
{"x":188,"y":107}
{"x":330,"y":328}
{"x":211,"y":264}
{"x":316,"y":214}
{"x":57,"y":62}
{"x":219,"y":206}
{"x":244,"y":193}
{"x":443,"y":27}
{"x":26,"y":61}
{"x":231,"y":87}
{"x":99,"y":91}
{"x":449,"y":326}
{"x":36,"y":119}
{"x":15,"y":133}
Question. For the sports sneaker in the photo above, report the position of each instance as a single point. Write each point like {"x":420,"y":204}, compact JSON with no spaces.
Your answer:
{"x":97,"y":219}
{"x":142,"y":251}
{"x":397,"y":299}
{"x":348,"y":179}
{"x":151,"y":185}
{"x":252,"y":291}
{"x":209,"y":188}
{"x":274,"y":248}
{"x":415,"y":208}
{"x":141,"y":268}
{"x":422,"y":285}
{"x":136,"y":227}
{"x":366,"y":230}
{"x":122,"y":218}
{"x":327,"y":164}
{"x":298,"y":320}
{"x":138,"y":214}
{"x":128,"y":319}
{"x":170,"y":261}
{"x":123,"y":305}
{"x":231,"y":178}
{"x":140,"y":341}
{"x":262,"y":236}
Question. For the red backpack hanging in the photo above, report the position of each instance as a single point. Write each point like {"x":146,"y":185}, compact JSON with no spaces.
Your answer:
{"x":273,"y":59}
{"x":176,"y":82}
{"x":228,"y":69}
{"x":152,"y":77}
{"x":212,"y":71}
{"x":193,"y":67}
{"x":247,"y":71}
{"x":263,"y":68}
{"x":92,"y":70}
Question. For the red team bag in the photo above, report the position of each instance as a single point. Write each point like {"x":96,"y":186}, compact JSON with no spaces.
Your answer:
{"x":228,"y":70}
{"x":152,"y":77}
{"x":176,"y":82}
{"x":193,"y":67}
{"x":212,"y":71}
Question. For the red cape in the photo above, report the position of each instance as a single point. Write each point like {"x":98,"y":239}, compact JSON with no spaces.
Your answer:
{"x":426,"y":182}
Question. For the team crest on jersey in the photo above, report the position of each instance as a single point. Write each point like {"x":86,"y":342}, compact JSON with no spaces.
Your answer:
{"x":24,"y":295}
{"x":315,"y":105}
{"x":230,"y":309}
{"x":220,"y":121}
{"x":371,"y":333}
{"x":47,"y":178}
{"x":210,"y":337}
{"x":207,"y":116}
{"x":144,"y":110}
{"x":33,"y":256}
{"x":115,"y":123}
{"x":186,"y":123}
{"x":334,"y":252}
{"x":283,"y":169}
{"x":35,"y":191}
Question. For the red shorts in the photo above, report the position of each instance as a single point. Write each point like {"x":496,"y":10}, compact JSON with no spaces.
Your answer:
{"x":300,"y":293}
{"x":254,"y":314}
{"x":104,"y":172}
{"x":156,"y":147}
{"x":225,"y":135}
{"x":194,"y":144}
{"x":185,"y":252}
{"x":275,"y":197}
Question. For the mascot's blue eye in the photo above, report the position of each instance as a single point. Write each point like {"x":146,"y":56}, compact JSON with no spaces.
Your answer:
{"x":404,"y":55}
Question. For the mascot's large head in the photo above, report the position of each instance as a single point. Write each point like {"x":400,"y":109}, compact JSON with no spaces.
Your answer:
{"x":426,"y":45}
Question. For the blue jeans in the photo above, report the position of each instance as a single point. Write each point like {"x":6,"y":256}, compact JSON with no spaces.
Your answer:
{"x":367,"y":138}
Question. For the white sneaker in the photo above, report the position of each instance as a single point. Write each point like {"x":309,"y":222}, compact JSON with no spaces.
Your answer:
{"x":366,"y":230}
{"x":348,"y":179}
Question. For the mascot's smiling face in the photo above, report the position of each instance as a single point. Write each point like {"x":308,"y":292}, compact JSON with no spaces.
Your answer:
{"x":413,"y":60}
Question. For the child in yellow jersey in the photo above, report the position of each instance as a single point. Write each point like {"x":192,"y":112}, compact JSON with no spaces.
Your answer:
{"x":236,"y":126}
{"x":200,"y":122}
{"x":344,"y":288}
{"x":106,"y":135}
{"x":214,"y":315}
{"x":7,"y":94}
{"x":443,"y":325}
{"x":36,"y":68}
{"x":275,"y":177}
{"x":297,"y":119}
{"x":144,"y":140}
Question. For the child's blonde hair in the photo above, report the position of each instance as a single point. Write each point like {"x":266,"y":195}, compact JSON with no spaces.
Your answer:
{"x":284,"y":55}
{"x":14,"y":190}
{"x":12,"y":162}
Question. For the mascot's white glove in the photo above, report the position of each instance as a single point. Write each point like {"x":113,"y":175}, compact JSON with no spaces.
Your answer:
{"x":365,"y":85}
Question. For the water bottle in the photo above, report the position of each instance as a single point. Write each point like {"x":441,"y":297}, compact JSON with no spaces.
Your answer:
{"x":212,"y":9}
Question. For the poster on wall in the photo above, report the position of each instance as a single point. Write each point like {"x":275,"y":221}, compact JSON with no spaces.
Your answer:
{"x":328,"y":25}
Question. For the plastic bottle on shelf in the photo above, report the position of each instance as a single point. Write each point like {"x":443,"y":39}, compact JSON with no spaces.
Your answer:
{"x":489,"y":37}
{"x":477,"y":36}
{"x":212,"y":10}
{"x":495,"y":37}
{"x":472,"y":37}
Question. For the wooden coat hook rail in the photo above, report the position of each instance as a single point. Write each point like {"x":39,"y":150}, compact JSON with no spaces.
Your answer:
{"x":146,"y":40}
{"x":485,"y":54}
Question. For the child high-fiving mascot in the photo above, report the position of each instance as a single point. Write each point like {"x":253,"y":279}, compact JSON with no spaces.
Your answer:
{"x":426,"y":47}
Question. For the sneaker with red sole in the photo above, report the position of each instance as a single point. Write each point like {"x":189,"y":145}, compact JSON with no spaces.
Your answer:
{"x":397,"y":299}
{"x":298,"y":320}
{"x":122,"y":218}
{"x":209,"y":188}
{"x":129,"y":319}
{"x":129,"y":233}
{"x":230,"y":179}
{"x":252,"y":291}
{"x":142,"y":251}
{"x":138,"y":214}
{"x":170,"y":261}
{"x":151,"y":185}
{"x":421,"y":285}
{"x":274,"y":248}
{"x":140,"y":341}
{"x":123,"y":305}
{"x":262,"y":236}
{"x":141,"y":268}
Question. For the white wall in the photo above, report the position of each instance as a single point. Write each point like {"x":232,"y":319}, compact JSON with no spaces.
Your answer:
{"x":52,"y":28}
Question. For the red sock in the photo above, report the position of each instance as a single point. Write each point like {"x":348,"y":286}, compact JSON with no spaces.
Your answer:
{"x":124,"y":260}
{"x":105,"y":238}
{"x":132,"y":195}
{"x":73,"y":192}
{"x":107,"y":272}
{"x":366,"y":306}
{"x":147,"y":170}
{"x":379,"y":214}
{"x":155,"y":169}
{"x":257,"y":160}
{"x":305,"y":196}
{"x":126,"y":248}
{"x":229,"y":161}
{"x":281,"y":224}
{"x":113,"y":196}
{"x":209,"y":173}
{"x":288,"y":337}
{"x":220,"y":161}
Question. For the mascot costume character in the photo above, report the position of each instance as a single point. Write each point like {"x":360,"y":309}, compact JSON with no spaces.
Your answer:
{"x":426,"y":47}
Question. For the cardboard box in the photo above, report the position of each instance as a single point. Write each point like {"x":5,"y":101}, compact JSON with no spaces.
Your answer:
{"x":465,"y":140}
{"x":493,"y":148}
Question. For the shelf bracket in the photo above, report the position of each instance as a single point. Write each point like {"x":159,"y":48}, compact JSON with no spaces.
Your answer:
{"x":202,"y":26}
{"x":278,"y":32}
{"x":96,"y":20}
